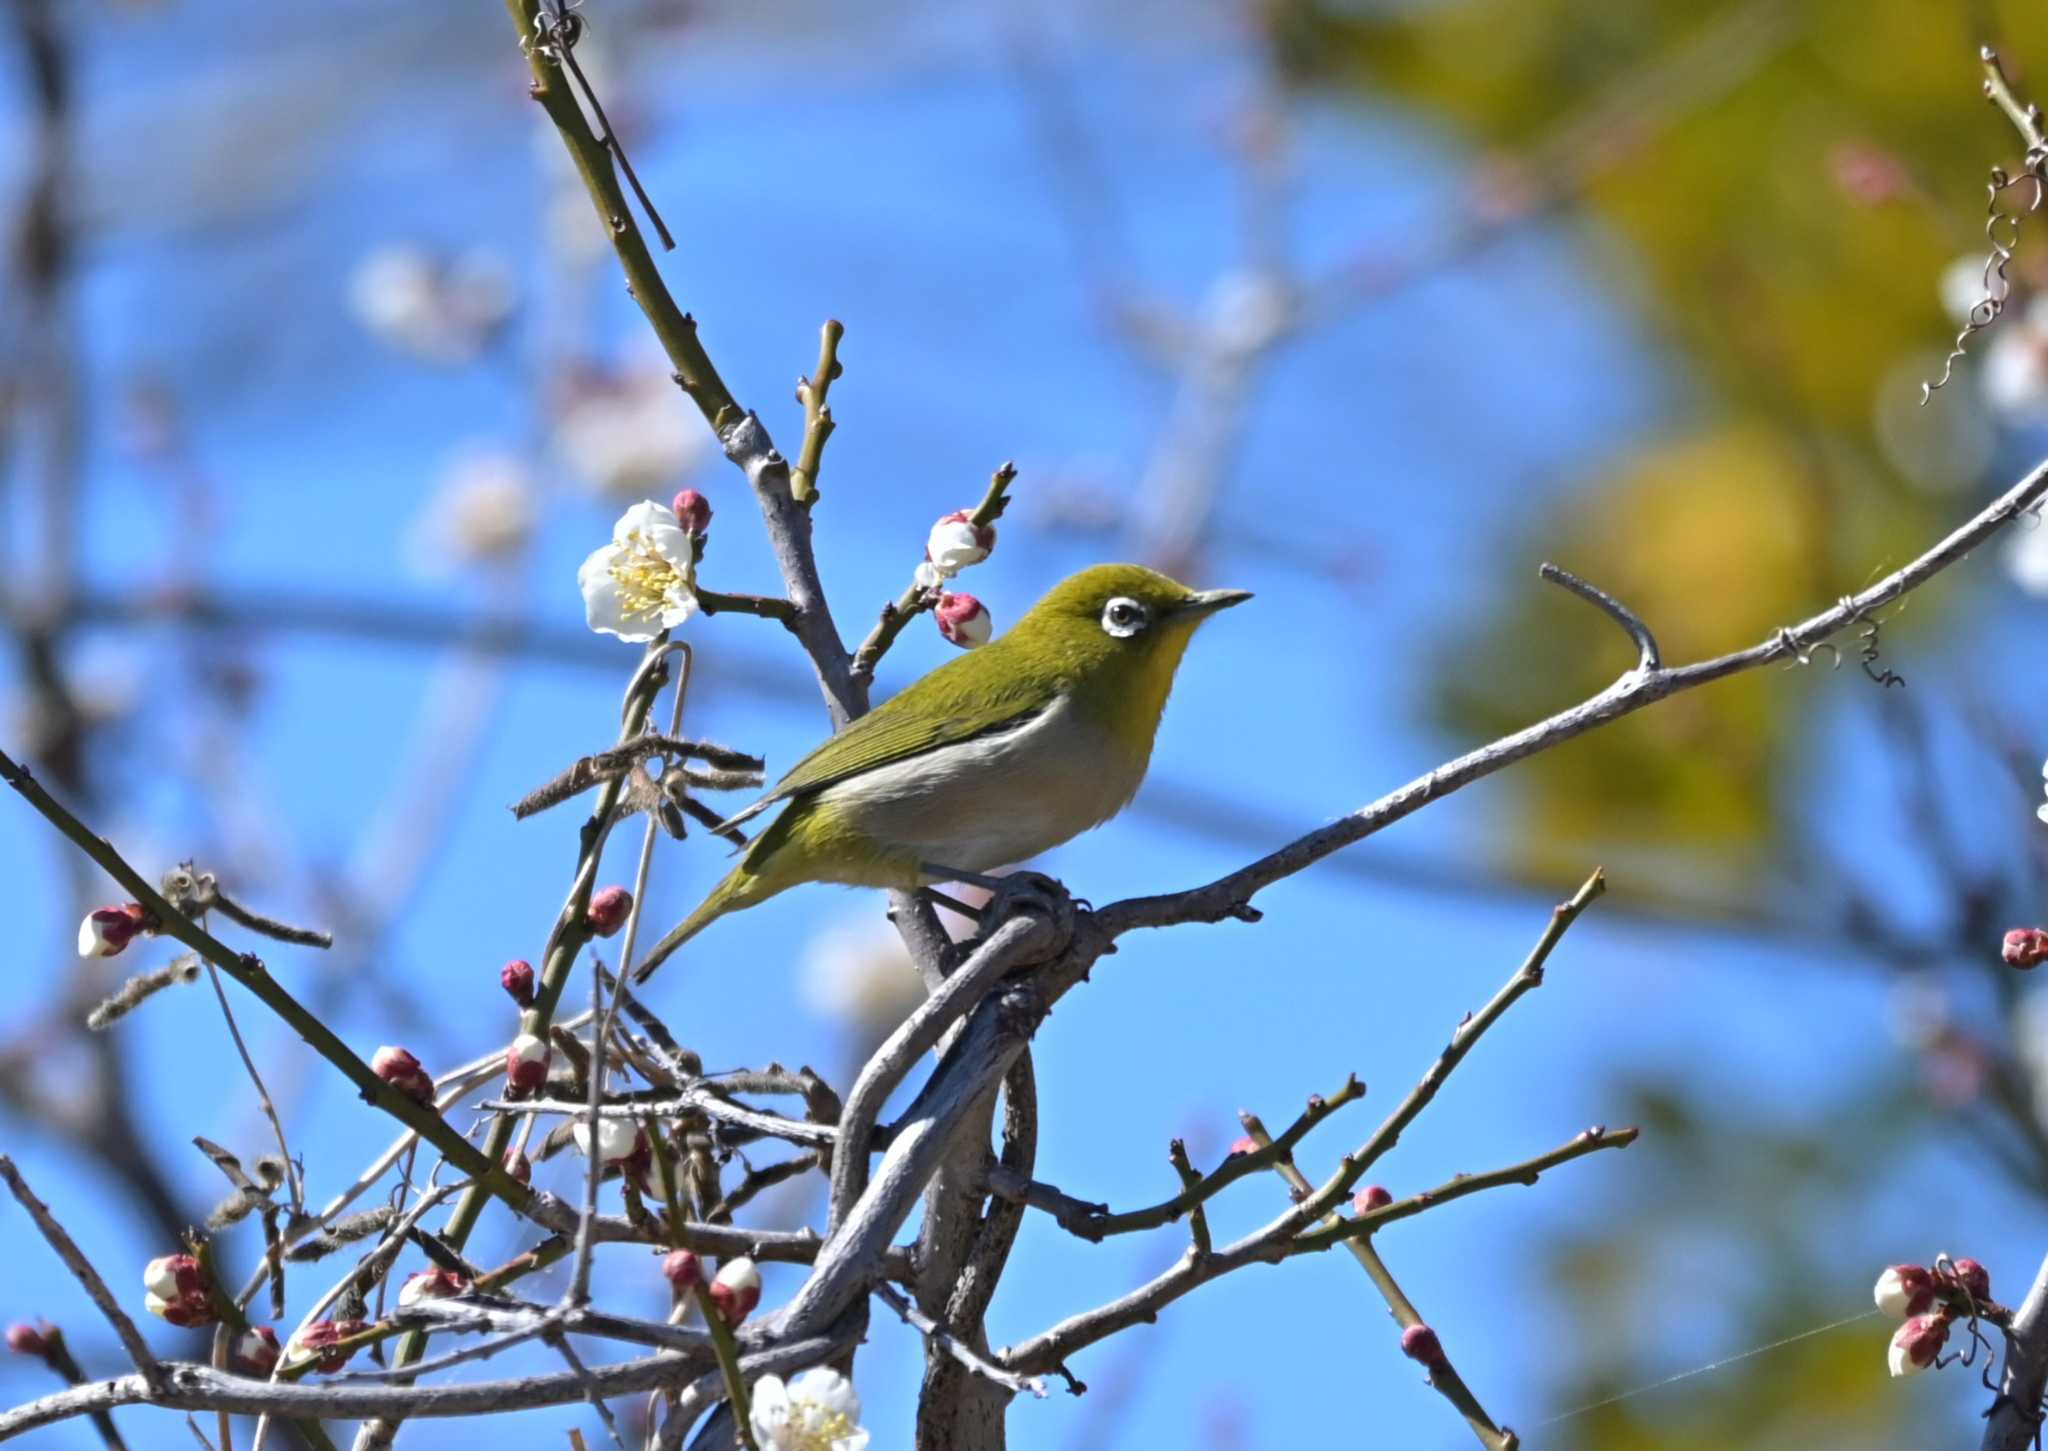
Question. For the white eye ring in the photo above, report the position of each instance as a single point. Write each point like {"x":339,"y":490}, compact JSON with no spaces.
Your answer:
{"x":1123,"y":617}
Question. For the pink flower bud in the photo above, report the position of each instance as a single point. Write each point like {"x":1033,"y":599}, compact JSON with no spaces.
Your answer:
{"x":518,"y":1165}
{"x":736,"y":1290}
{"x":516,"y":977}
{"x":256,"y":1350}
{"x":693,"y":511}
{"x":1916,"y":1343}
{"x":318,"y":1341}
{"x":526,"y":1062}
{"x":403,"y":1072}
{"x":1244,"y":1145}
{"x":956,"y":542}
{"x":608,"y":909}
{"x":435,"y":1284}
{"x":1904,"y":1290}
{"x":106,"y":931}
{"x":1419,"y":1343}
{"x":683,"y":1270}
{"x":2024,"y":947}
{"x":1973,"y":1279}
{"x":1371,"y":1197}
{"x":963,"y":621}
{"x":25,"y":1339}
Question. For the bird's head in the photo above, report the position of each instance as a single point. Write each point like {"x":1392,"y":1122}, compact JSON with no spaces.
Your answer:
{"x":1120,"y":626}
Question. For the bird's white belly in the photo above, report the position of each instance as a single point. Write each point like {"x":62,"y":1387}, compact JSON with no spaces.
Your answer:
{"x":998,"y":799}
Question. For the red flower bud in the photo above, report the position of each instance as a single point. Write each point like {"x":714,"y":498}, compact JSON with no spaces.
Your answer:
{"x":1973,"y":1279}
{"x":1419,"y":1343}
{"x":2025,"y":947}
{"x":1371,"y":1197}
{"x":526,"y":1062}
{"x":963,"y":620}
{"x":318,"y":1341}
{"x":683,"y":1270}
{"x":693,"y":511}
{"x":256,"y":1350}
{"x":106,"y":931}
{"x":516,"y":977}
{"x":608,"y":909}
{"x":436,"y":1284}
{"x":25,"y":1339}
{"x":177,"y":1291}
{"x":403,"y":1072}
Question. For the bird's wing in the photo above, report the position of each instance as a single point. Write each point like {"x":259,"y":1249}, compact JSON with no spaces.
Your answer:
{"x":933,"y":712}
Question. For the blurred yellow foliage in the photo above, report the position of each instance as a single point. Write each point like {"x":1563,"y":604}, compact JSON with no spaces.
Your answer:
{"x":1789,"y":179}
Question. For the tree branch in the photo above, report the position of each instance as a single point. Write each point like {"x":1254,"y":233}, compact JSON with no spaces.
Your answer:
{"x":1230,"y":896}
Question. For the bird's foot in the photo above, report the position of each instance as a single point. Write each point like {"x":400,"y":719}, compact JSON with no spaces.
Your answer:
{"x":1034,"y":892}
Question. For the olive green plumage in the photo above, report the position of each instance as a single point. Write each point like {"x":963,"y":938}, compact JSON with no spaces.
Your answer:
{"x":993,"y":757}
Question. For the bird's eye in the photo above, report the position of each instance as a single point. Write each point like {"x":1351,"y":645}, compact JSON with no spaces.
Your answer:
{"x":1123,"y":617}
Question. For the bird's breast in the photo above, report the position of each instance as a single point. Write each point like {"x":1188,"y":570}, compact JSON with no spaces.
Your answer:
{"x":1000,"y":797}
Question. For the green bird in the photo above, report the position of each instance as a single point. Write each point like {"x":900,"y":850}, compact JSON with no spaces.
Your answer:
{"x":990,"y":759}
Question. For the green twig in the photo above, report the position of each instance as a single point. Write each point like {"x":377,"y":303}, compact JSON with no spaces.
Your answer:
{"x":249,"y":971}
{"x":818,"y":425}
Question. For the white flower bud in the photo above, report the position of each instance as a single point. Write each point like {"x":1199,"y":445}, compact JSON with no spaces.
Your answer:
{"x":615,"y":1139}
{"x":736,"y":1289}
{"x":1904,"y":1290}
{"x":955,"y":542}
{"x":1916,"y":1343}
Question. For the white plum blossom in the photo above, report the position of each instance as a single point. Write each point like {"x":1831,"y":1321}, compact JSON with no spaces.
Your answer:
{"x":857,"y":974}
{"x":616,"y":1139}
{"x":443,"y":310}
{"x":483,"y":510}
{"x":2016,"y":365}
{"x":1963,"y":287}
{"x":817,"y":1411}
{"x":1248,"y":310}
{"x":643,"y":581}
{"x":2026,"y":557}
{"x":628,"y":434}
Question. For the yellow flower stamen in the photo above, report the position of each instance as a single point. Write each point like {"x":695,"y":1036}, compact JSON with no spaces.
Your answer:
{"x":648,"y":581}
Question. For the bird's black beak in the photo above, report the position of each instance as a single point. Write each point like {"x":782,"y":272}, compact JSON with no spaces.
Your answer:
{"x":1208,"y":601}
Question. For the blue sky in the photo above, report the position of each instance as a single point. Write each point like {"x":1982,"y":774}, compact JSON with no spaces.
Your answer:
{"x":898,"y":188}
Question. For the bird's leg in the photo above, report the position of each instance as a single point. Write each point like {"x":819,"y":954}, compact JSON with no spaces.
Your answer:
{"x":946,"y":902}
{"x":987,"y":883}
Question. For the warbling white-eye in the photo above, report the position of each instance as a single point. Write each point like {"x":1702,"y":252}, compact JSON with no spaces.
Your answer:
{"x":992,"y":758}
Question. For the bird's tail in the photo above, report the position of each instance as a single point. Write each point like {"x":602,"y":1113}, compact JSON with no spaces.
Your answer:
{"x":743,"y":886}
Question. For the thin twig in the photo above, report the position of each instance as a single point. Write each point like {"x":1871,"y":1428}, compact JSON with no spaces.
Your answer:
{"x":1443,"y":1377}
{"x":947,"y":1341}
{"x":81,"y":1269}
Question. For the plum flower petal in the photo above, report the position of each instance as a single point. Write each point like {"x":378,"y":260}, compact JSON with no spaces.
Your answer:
{"x":817,"y":1411}
{"x":644,"y":581}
